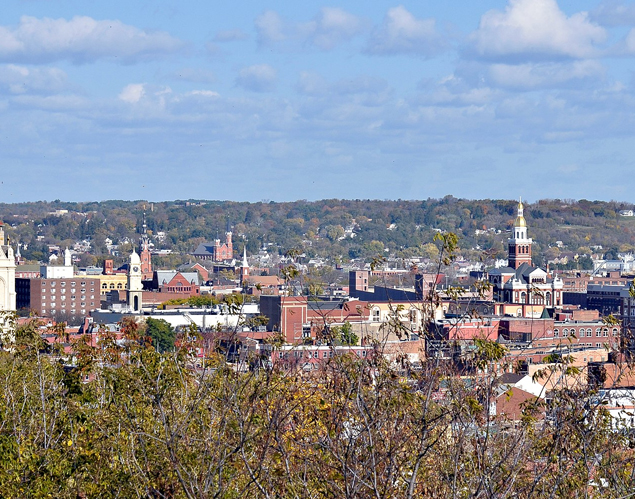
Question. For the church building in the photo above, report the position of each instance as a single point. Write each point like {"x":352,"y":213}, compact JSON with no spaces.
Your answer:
{"x":521,"y":282}
{"x":216,"y":251}
{"x":7,"y":274}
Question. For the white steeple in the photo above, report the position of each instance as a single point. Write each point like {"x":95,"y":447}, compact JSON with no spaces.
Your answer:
{"x":68,"y":262}
{"x":245,"y":264}
{"x":7,"y":275}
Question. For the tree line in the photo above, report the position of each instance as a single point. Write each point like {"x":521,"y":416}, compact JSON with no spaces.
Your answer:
{"x":325,"y":228}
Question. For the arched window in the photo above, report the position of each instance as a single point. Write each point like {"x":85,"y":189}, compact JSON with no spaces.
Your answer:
{"x":548,"y":298}
{"x":565,"y":333}
{"x":523,"y":297}
{"x":556,"y":333}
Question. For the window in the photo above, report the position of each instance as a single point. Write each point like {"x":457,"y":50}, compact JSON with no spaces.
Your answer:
{"x":614,"y":331}
{"x":605,"y":332}
{"x":589,"y":332}
{"x":565,"y":333}
{"x":375,"y":315}
{"x":556,"y":333}
{"x":597,"y":332}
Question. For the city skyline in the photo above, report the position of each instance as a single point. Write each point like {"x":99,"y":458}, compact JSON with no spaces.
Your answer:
{"x":170,"y":100}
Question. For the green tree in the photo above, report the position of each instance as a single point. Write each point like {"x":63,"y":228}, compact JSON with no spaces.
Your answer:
{"x":162,"y":334}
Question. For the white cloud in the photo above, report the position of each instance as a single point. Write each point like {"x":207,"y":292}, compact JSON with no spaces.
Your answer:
{"x":535,"y":30}
{"x":21,"y":79}
{"x":330,"y":27}
{"x":230,"y":35}
{"x":532,"y":76}
{"x":257,"y":78}
{"x":81,"y":39}
{"x":401,"y":32}
{"x":614,"y":13}
{"x":311,"y":83}
{"x":270,"y":27}
{"x":133,"y":93}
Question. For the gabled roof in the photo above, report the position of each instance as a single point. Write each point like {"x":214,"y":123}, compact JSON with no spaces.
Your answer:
{"x":205,"y":249}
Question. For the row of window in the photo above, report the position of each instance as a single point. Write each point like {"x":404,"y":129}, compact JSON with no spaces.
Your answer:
{"x":83,"y":304}
{"x":63,"y":310}
{"x":112,"y":285}
{"x":582,"y":332}
{"x":53,"y":283}
{"x":311,"y":355}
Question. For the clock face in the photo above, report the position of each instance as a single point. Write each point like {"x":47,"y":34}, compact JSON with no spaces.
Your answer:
{"x":135,"y":269}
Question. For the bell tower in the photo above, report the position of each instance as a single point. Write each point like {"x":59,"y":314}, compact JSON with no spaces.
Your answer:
{"x":144,"y":251}
{"x":519,"y":244}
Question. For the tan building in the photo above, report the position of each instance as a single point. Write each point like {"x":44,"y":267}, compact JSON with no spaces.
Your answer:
{"x":112,"y":282}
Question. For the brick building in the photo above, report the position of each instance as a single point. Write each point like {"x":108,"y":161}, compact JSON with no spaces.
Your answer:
{"x":215,"y":251}
{"x":74,"y":296}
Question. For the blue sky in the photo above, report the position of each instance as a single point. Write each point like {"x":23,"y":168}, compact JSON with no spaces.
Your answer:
{"x":275,"y":100}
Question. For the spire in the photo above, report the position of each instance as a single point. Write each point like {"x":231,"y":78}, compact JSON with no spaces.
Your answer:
{"x":67,"y":258}
{"x":520,"y":218}
{"x":245,"y":264}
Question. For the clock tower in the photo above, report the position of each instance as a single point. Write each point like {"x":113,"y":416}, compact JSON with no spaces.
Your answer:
{"x":135,"y":293}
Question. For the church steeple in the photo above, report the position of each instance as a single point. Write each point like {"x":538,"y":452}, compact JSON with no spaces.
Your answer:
{"x":519,"y":243}
{"x":144,"y":250}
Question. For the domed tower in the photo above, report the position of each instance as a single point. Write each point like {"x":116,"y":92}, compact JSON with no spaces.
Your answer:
{"x":134,"y":283}
{"x":519,"y":243}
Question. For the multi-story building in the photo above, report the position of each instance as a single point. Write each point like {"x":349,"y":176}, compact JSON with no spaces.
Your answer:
{"x":74,"y":296}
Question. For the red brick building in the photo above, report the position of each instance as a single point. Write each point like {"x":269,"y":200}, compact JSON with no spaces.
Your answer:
{"x":216,"y":251}
{"x":75,"y":296}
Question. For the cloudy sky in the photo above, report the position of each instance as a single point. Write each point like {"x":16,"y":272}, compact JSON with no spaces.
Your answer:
{"x":167,"y":99}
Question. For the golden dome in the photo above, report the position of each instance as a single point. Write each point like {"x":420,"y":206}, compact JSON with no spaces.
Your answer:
{"x":520,"y":219}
